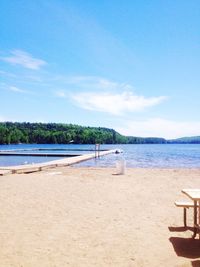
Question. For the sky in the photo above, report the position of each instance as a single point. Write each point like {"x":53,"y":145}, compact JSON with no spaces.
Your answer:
{"x":133,"y":65}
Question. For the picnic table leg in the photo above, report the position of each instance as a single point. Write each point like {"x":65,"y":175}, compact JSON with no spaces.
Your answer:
{"x":199,"y":216}
{"x":185,"y":216}
{"x":195,"y":219}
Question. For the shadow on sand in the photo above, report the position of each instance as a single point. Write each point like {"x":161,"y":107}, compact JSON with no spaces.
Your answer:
{"x":195,"y":263}
{"x":187,"y":247}
{"x":180,"y":228}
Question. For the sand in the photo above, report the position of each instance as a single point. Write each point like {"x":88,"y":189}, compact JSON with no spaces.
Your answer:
{"x":91,"y":217}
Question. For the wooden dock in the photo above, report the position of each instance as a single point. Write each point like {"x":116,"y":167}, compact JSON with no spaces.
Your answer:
{"x":52,"y":164}
{"x":33,"y":154}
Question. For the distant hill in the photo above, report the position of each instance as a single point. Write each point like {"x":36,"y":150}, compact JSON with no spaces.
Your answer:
{"x":60,"y":133}
{"x":57,"y":133}
{"x":185,"y":140}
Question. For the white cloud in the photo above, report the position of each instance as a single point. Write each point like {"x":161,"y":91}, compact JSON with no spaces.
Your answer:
{"x":159,"y":127}
{"x":7,"y":74}
{"x":115,"y":104}
{"x":24,"y":59}
{"x":61,"y":94}
{"x":100,"y":94}
{"x":92,"y":83}
{"x":17,"y":90}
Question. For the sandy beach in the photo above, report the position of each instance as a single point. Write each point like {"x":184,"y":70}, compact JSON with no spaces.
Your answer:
{"x":90,"y":217}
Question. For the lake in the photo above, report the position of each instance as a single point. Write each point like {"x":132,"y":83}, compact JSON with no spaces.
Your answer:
{"x":141,"y":156}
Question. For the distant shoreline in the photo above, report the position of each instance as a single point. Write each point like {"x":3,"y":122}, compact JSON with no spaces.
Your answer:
{"x":60,"y":133}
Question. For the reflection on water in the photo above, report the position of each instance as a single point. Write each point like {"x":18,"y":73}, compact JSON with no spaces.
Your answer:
{"x":22,"y":160}
{"x":145,"y":156}
{"x":153,"y":156}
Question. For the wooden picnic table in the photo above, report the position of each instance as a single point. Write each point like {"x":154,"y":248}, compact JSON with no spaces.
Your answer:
{"x":194,"y":195}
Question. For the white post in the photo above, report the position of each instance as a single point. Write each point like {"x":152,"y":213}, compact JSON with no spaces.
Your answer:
{"x":97,"y":150}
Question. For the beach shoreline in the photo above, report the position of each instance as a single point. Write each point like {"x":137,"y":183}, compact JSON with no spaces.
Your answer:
{"x":80,"y":216}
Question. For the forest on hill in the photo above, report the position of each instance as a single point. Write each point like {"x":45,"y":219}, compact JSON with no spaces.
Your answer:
{"x":186,"y":140}
{"x":59,"y":133}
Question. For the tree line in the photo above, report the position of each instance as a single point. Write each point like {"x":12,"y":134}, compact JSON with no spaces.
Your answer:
{"x":56,"y":133}
{"x":59,"y":133}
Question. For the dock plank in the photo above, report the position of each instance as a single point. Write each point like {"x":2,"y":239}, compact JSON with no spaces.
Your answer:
{"x":52,"y":164}
{"x":5,"y":172}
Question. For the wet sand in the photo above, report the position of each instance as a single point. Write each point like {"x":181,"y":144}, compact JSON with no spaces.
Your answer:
{"x":91,"y":217}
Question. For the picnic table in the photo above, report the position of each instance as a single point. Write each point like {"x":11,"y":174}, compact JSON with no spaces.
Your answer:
{"x":194,"y":195}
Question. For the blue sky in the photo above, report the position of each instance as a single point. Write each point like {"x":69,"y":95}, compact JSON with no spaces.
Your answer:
{"x":129,"y":65}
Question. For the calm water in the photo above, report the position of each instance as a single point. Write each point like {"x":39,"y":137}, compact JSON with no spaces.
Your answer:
{"x":18,"y":160}
{"x":145,"y":156}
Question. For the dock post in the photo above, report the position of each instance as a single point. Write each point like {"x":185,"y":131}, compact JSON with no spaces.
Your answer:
{"x":97,"y":150}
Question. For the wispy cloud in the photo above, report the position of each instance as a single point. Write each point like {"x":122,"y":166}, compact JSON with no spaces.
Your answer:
{"x":18,"y":90}
{"x":91,"y":83}
{"x":7,"y":74}
{"x":100,"y":94}
{"x":159,"y":127}
{"x":19,"y":57}
{"x":115,"y":103}
{"x":61,"y":94}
